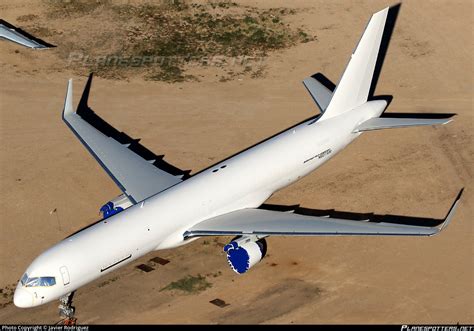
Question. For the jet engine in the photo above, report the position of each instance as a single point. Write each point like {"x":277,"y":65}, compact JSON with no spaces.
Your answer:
{"x":245,"y":252}
{"x":115,"y":206}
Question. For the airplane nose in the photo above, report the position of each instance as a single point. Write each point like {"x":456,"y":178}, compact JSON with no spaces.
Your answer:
{"x":22,"y":298}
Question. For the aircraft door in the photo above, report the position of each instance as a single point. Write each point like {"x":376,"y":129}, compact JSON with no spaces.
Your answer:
{"x":64,"y":275}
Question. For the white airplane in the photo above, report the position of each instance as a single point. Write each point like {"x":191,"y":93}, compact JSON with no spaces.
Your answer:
{"x":222,"y":200}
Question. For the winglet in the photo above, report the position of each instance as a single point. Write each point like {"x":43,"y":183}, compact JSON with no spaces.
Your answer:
{"x":451,"y":212}
{"x":68,"y":108}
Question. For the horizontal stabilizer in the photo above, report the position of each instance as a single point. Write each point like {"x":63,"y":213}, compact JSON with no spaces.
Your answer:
{"x":320,"y":93}
{"x":390,"y":123}
{"x":270,"y":223}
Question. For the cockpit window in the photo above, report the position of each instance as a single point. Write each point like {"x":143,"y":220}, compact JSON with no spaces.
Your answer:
{"x":24,"y":279}
{"x":47,"y":281}
{"x":32,"y":282}
{"x":37,"y":281}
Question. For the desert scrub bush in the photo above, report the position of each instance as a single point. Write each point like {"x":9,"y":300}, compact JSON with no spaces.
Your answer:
{"x":183,"y":31}
{"x":189,"y":284}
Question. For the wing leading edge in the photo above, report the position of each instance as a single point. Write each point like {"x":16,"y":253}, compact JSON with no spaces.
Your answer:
{"x":272,"y":223}
{"x":16,"y":35}
{"x":135,"y":176}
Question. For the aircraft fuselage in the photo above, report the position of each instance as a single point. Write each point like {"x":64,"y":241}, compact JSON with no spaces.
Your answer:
{"x":245,"y":180}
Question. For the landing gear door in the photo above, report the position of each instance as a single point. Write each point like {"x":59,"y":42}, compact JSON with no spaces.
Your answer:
{"x":64,"y":275}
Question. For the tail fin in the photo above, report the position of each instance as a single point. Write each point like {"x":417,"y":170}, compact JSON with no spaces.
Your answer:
{"x":354,"y":86}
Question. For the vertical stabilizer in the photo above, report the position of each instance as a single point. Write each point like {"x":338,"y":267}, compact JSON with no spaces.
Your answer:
{"x":353,"y":88}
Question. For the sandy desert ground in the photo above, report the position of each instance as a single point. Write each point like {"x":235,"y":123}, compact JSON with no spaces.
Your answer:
{"x":415,"y":172}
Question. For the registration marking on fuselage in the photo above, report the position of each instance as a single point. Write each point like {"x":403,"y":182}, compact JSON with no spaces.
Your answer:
{"x":320,"y":155}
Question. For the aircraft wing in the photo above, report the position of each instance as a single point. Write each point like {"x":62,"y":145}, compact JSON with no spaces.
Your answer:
{"x":271,"y":223}
{"x":10,"y":32}
{"x":137,"y":177}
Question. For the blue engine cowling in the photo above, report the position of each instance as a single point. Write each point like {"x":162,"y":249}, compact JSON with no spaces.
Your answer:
{"x":244,"y":253}
{"x":108,"y":209}
{"x":115,"y":206}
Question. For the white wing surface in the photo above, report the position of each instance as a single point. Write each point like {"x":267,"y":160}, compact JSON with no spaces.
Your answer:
{"x":135,"y":176}
{"x":10,"y":32}
{"x":271,"y":223}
